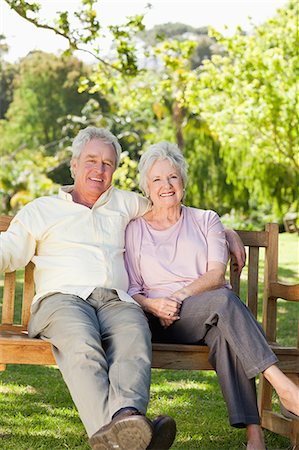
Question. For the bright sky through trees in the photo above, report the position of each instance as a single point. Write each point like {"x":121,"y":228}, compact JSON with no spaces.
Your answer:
{"x":23,"y":37}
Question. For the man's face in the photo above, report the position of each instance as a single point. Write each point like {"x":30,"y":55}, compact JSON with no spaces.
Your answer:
{"x":93,"y":170}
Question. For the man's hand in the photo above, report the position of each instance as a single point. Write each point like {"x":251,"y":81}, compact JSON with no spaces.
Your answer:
{"x":236,"y":248}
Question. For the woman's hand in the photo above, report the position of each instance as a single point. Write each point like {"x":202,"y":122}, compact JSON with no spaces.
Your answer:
{"x":166,"y":322}
{"x":236,"y":248}
{"x":166,"y":308}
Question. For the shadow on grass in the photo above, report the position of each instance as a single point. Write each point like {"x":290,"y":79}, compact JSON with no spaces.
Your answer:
{"x":195,"y":400}
{"x":37,"y":411}
{"x":284,"y":272}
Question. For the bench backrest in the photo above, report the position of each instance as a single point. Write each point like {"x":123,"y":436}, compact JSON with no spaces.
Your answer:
{"x":253,"y":240}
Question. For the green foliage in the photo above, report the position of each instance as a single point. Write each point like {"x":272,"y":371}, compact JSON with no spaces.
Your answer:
{"x":7,"y":73}
{"x":207,"y":187}
{"x":205,"y":45}
{"x":249,"y":99}
{"x":234,"y":117}
{"x":23,"y":177}
{"x":152,"y":107}
{"x":44,"y":91}
{"x":125,"y":45}
{"x":125,"y":177}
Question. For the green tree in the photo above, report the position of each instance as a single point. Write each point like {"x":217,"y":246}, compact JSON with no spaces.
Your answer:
{"x":7,"y":73}
{"x":45,"y":90}
{"x":151,"y":107}
{"x":205,"y":47}
{"x":23,"y":176}
{"x":249,"y":98}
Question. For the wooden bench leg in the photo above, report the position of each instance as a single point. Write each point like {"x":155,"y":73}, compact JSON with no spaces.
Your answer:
{"x":264,"y":395}
{"x":295,"y":435}
{"x":295,"y":423}
{"x":2,"y":367}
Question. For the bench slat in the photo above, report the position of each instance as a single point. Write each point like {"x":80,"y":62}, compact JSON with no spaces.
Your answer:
{"x":8,"y":298}
{"x":234,"y":277}
{"x":4,"y":222}
{"x":252,"y":284}
{"x":254,"y":238}
{"x":28,"y":293}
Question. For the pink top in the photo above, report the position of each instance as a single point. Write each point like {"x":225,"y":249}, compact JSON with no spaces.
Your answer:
{"x":161,"y":262}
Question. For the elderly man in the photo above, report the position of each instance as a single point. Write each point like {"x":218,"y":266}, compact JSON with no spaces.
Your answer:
{"x":100,"y":337}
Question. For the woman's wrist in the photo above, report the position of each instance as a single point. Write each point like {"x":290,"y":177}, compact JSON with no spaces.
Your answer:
{"x":180,"y":295}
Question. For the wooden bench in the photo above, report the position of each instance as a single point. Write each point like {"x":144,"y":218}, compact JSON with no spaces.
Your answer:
{"x":17,"y":348}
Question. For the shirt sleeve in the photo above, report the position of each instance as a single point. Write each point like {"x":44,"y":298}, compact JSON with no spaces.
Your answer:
{"x":216,"y":240}
{"x":132,"y":254}
{"x":142,"y":206}
{"x":17,"y":247}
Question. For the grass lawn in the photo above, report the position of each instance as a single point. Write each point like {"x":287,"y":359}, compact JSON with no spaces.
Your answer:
{"x":36,"y":411}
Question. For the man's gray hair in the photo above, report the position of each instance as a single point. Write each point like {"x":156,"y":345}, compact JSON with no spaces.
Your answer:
{"x":88,"y":134}
{"x":160,"y":151}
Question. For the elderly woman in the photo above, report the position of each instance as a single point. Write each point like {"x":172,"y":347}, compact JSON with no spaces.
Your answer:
{"x":176,"y":259}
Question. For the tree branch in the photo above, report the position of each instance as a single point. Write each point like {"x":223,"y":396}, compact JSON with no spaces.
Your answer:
{"x":73,"y":43}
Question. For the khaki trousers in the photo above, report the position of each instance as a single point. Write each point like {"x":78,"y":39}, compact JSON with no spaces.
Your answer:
{"x":102,"y":347}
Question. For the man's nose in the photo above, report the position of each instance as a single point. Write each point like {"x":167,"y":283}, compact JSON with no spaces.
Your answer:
{"x":100,"y":167}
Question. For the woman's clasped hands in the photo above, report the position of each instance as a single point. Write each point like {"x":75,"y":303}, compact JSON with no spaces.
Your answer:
{"x":167,"y":309}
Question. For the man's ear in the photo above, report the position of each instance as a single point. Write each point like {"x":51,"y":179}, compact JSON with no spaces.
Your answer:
{"x":74,"y":167}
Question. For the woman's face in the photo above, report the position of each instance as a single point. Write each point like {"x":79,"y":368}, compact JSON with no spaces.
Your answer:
{"x":165,"y":184}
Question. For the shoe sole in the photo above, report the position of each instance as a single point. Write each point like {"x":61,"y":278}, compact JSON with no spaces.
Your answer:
{"x":131,"y":433}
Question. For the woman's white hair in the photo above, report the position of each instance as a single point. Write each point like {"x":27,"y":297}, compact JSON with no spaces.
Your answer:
{"x":88,"y":134}
{"x":160,"y":151}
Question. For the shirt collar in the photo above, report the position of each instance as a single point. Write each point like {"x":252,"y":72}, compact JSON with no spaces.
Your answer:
{"x":65,"y":193}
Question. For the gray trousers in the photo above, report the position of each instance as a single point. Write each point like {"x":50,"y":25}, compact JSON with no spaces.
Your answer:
{"x":102,"y":347}
{"x":238,"y":348}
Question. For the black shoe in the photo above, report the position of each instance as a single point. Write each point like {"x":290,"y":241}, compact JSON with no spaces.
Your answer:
{"x":164,"y":433}
{"x":128,"y":430}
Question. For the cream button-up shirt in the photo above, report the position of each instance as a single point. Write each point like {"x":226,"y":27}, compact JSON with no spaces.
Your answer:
{"x":74,"y":248}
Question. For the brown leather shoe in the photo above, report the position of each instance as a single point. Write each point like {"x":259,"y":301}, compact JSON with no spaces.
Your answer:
{"x":164,"y":433}
{"x":127,"y":431}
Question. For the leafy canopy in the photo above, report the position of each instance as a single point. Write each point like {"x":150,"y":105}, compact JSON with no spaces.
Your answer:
{"x":249,"y":97}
